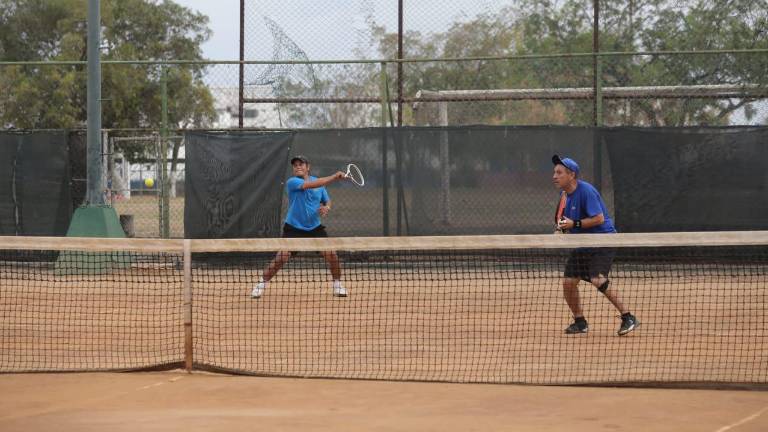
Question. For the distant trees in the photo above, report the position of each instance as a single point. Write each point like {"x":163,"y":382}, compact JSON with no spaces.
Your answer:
{"x":532,"y":27}
{"x":45,"y":96}
{"x":546,"y":27}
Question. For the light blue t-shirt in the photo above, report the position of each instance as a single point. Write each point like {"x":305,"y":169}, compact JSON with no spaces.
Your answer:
{"x":303,"y":204}
{"x":586,"y":202}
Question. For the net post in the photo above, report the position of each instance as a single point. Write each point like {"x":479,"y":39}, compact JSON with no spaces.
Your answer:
{"x":188,"y":353}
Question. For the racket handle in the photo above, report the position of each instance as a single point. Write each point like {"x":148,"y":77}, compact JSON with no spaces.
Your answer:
{"x":559,"y":229}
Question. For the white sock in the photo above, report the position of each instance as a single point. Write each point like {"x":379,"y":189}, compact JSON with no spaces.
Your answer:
{"x":336,"y":283}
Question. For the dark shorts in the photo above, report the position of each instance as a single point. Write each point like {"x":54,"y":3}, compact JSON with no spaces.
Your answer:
{"x":586,"y":263}
{"x":291,"y":232}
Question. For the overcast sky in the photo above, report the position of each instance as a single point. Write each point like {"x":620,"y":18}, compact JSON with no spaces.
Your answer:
{"x":328,"y":29}
{"x":332,"y":29}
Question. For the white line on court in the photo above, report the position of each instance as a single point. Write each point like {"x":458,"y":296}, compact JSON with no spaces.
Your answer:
{"x":160,"y":383}
{"x":742,"y":421}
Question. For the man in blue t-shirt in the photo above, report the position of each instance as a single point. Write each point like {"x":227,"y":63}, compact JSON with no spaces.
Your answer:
{"x":307,"y":202}
{"x":585,"y":213}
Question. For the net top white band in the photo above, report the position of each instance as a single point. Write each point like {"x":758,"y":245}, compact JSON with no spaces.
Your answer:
{"x":537,"y":241}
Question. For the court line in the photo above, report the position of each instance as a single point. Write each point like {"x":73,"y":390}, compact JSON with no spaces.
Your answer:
{"x":69,"y":405}
{"x":742,"y":421}
{"x":160,"y":383}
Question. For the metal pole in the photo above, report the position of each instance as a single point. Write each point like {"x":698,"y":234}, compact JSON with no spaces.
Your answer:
{"x":242,"y":66}
{"x":94,"y":195}
{"x":597,"y":154}
{"x":159,"y":180}
{"x":384,"y":165}
{"x":596,"y":62}
{"x":107,"y":167}
{"x":399,"y":64}
{"x":163,"y":177}
{"x":445,"y":166}
{"x":398,"y":143}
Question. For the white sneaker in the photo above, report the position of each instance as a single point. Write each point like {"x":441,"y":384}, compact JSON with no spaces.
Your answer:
{"x":338,"y":289}
{"x":258,"y":290}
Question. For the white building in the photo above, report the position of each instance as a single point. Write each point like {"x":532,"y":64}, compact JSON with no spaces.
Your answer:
{"x":254,"y":115}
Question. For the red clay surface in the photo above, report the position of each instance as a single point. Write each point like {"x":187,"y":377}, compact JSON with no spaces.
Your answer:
{"x":162,"y":401}
{"x":489,"y":327}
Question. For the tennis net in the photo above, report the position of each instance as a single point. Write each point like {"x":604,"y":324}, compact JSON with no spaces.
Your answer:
{"x":459,"y":309}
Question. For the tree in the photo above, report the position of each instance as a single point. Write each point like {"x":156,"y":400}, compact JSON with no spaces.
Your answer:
{"x":554,"y":27}
{"x":659,"y":25}
{"x":342,"y":81}
{"x":54,"y":96}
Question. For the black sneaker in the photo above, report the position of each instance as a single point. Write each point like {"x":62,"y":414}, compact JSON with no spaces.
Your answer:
{"x":578,"y":326}
{"x":628,"y":323}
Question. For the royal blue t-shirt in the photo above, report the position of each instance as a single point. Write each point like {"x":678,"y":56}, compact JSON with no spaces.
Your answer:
{"x":585,"y":202}
{"x":303,"y":204}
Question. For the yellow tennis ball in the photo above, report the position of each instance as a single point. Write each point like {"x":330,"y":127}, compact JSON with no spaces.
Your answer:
{"x":149,"y":182}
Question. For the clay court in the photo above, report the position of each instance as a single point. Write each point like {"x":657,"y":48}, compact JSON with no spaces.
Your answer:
{"x":175,"y":400}
{"x":453,"y":324}
{"x":425,"y":341}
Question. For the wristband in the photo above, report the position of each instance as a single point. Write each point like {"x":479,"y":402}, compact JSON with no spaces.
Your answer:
{"x":577,"y":224}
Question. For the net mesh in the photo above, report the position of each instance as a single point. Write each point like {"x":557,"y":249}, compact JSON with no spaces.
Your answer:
{"x":80,"y":310}
{"x":459,"y":309}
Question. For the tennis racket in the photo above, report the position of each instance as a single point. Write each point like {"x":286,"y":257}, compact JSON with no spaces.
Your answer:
{"x":354,"y":175}
{"x":559,"y":213}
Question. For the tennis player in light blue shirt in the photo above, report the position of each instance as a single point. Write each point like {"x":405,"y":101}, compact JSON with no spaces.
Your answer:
{"x":585,"y":213}
{"x":304,"y":205}
{"x":308,"y":201}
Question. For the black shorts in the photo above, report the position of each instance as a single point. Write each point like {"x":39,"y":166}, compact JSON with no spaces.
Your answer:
{"x":291,"y":232}
{"x":587,"y":263}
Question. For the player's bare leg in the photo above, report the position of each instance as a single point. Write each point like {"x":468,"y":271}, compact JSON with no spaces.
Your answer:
{"x":571,"y":294}
{"x":277,"y":263}
{"x":610,"y":293}
{"x":274,"y":266}
{"x":333,"y":263}
{"x":628,"y":321}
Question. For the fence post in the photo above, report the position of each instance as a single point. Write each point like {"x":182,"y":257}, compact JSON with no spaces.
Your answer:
{"x":163,"y":175}
{"x":445,"y":166}
{"x":597,"y":157}
{"x":384,"y":94}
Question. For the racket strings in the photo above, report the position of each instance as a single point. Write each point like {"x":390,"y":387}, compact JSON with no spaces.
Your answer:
{"x":355,"y":175}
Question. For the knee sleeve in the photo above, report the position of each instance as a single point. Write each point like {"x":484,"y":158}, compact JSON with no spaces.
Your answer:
{"x":604,"y":287}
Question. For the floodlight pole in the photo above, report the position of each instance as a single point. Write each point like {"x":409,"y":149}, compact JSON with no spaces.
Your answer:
{"x":94,"y":219}
{"x":241,"y":69}
{"x":399,"y":64}
{"x":94,"y":194}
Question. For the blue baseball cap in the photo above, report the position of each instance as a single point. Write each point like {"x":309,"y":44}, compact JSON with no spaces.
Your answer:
{"x":566,"y":162}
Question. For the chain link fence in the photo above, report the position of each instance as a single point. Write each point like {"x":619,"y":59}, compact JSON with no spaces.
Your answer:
{"x":542,"y":90}
{"x":389,"y":63}
{"x":728,"y":88}
{"x":148,"y":196}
